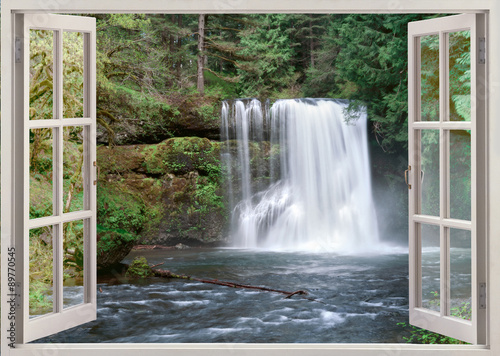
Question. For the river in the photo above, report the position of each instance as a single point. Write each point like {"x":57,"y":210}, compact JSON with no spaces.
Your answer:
{"x":358,"y":299}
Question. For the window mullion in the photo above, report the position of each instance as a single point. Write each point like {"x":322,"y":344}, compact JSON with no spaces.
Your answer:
{"x":59,"y":178}
{"x":443,"y":171}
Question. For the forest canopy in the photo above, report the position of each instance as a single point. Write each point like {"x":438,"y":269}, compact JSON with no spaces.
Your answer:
{"x":154,"y":60}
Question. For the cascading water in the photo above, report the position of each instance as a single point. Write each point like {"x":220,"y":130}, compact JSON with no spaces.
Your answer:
{"x":300,"y":176}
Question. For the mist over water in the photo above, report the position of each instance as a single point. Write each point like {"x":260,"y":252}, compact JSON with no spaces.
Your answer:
{"x":310,"y":187}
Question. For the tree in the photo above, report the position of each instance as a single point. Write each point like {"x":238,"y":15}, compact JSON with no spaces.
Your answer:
{"x":272,"y":70}
{"x":201,"y":54}
{"x":365,"y":57}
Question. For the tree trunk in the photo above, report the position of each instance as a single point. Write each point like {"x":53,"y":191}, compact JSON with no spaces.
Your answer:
{"x":201,"y":56}
{"x":172,"y":38}
{"x":311,"y":43}
{"x":179,"y":46}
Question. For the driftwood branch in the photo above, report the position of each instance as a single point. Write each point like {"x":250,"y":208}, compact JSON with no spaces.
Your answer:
{"x":167,"y":274}
{"x":156,"y":265}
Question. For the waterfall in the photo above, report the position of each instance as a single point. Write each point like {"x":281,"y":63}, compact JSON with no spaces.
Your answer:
{"x":299,"y":176}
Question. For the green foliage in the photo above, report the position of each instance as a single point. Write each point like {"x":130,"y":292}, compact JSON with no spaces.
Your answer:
{"x":218,"y":87}
{"x":109,"y":239}
{"x":41,"y":191}
{"x":209,"y":113}
{"x":40,"y":196}
{"x":463,"y":311}
{"x":364,"y":57}
{"x":119,"y":209}
{"x":139,"y":268}
{"x":40,"y":298}
{"x":129,"y":203}
{"x":272,"y":69}
{"x":208,"y":195}
{"x":181,"y":155}
{"x":423,"y":336}
{"x":41,"y":75}
{"x":41,"y":263}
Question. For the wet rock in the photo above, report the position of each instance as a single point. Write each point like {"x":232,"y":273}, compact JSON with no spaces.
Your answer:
{"x":181,"y":246}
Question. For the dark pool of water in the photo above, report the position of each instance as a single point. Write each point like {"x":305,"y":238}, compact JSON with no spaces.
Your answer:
{"x":357,"y":299}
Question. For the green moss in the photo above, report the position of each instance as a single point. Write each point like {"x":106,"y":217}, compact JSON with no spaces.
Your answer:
{"x":139,"y":268}
{"x":109,"y":239}
{"x":119,"y":208}
{"x":181,"y":155}
{"x":209,"y":113}
{"x":153,"y":113}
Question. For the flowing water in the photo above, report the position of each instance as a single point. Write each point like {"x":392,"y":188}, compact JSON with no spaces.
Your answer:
{"x":302,"y":176}
{"x":358,"y":299}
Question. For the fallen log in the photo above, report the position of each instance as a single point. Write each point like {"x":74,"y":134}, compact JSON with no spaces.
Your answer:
{"x":152,"y":247}
{"x":167,"y":274}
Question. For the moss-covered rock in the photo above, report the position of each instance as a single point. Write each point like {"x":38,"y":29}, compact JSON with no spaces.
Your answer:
{"x":181,"y":155}
{"x":139,"y":268}
{"x":113,"y":246}
{"x":165,"y":193}
{"x":139,"y":117}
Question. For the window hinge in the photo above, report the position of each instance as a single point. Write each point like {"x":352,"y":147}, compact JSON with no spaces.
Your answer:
{"x":18,"y":49}
{"x":18,"y":295}
{"x":482,"y":50}
{"x":482,"y":295}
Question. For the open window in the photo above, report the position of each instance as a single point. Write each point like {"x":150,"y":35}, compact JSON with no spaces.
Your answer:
{"x":56,"y":58}
{"x":438,"y":134}
{"x":447,"y":168}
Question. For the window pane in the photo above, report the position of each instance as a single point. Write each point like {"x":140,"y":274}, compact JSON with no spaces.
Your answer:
{"x":430,"y":266}
{"x":429,"y":78}
{"x":460,"y":76}
{"x":41,"y":74}
{"x":73,"y":74}
{"x":460,"y":174}
{"x":41,"y":173}
{"x":73,"y":233}
{"x":429,"y":174}
{"x":73,"y":168}
{"x":460,"y":274}
{"x":41,"y":271}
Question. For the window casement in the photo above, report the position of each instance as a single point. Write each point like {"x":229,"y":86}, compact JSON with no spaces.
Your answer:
{"x":481,"y":21}
{"x":65,"y":117}
{"x":446,"y":148}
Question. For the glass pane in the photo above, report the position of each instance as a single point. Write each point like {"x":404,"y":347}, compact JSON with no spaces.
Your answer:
{"x":41,"y":173}
{"x":429,"y":175}
{"x":73,"y":233}
{"x":429,"y":78}
{"x":460,"y":174}
{"x":72,"y":74}
{"x":430,"y":266}
{"x":41,"y":272}
{"x":460,"y":274}
{"x":460,"y":80}
{"x":73,"y":168}
{"x":41,"y":74}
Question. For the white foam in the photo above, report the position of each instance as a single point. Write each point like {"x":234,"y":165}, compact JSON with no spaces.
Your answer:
{"x":332,"y":317}
{"x":186,"y":303}
{"x":368,"y":304}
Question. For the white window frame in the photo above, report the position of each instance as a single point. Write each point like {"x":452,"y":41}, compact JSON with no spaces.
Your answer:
{"x":10,"y":133}
{"x":61,"y":317}
{"x":473,"y":330}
